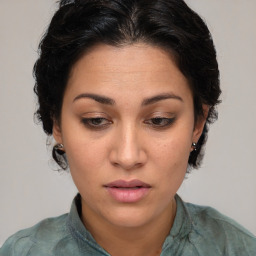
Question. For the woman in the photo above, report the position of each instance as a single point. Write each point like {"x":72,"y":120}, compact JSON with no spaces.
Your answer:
{"x":128,"y":89}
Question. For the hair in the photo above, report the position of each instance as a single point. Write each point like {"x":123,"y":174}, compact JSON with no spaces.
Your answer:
{"x":171,"y":25}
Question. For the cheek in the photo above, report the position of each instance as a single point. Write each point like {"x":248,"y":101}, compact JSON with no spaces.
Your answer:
{"x":171,"y":160}
{"x":86,"y":157}
{"x":86,"y":163}
{"x":82,"y":149}
{"x":173,"y":151}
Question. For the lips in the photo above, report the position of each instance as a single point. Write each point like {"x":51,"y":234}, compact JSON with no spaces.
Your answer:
{"x":128,"y":184}
{"x":127,"y":191}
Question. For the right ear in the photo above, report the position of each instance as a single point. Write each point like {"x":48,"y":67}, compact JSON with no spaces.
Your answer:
{"x":56,"y":132}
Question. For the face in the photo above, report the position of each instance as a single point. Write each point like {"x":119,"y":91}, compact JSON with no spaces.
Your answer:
{"x":127,"y":126}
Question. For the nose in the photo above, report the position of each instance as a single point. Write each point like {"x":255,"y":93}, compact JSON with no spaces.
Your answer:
{"x":128,"y":153}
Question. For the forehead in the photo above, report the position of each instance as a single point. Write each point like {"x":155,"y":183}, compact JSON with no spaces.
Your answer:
{"x":136,"y":56}
{"x":137,"y":68}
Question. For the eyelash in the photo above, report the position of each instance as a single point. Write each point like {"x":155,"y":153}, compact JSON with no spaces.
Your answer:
{"x":90,"y":122}
{"x":167,"y":122}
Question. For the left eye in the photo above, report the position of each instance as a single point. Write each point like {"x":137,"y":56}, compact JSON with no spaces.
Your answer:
{"x":160,"y":121}
{"x":96,"y":122}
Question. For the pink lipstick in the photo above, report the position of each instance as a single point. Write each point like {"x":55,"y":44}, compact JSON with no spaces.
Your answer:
{"x":128,"y":191}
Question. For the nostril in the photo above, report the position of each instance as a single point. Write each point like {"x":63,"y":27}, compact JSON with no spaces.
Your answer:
{"x":127,"y":158}
{"x":127,"y":166}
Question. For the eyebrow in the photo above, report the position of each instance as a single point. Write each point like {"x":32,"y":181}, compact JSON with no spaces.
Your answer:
{"x":101,"y":99}
{"x":160,"y":97}
{"x":108,"y":101}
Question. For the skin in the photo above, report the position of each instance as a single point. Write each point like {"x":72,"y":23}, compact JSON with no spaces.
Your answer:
{"x":128,"y":142}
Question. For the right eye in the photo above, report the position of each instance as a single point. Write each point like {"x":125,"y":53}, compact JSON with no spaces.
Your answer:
{"x":96,"y":123}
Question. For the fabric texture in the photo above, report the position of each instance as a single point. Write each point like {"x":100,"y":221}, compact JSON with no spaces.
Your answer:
{"x":197,"y":231}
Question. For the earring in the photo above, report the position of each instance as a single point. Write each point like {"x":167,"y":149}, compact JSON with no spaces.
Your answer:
{"x":194,"y":146}
{"x":59,"y":148}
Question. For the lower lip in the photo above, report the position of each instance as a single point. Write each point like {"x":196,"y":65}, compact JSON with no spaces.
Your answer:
{"x":128,"y":195}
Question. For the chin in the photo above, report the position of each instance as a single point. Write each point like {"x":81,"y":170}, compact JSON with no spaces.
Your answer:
{"x":130,"y":218}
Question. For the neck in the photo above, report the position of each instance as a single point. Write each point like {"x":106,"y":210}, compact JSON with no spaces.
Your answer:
{"x":132,"y":241}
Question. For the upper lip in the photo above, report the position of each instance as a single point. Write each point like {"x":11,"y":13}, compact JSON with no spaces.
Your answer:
{"x":127,"y":184}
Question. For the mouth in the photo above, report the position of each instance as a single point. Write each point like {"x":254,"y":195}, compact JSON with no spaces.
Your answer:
{"x":127,"y":191}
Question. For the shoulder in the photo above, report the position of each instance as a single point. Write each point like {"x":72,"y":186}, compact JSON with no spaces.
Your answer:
{"x":212,"y":228}
{"x":44,"y":236}
{"x":209,"y":217}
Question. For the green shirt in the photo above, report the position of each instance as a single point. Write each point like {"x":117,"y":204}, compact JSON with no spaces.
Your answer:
{"x":197,"y":230}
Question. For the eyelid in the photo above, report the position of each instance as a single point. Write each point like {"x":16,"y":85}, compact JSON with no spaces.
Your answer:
{"x":162,"y":114}
{"x":88,"y":122}
{"x":99,"y":120}
{"x":166,"y":122}
{"x":94,"y":114}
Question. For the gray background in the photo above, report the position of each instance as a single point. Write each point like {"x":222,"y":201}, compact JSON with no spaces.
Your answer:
{"x":29,"y":188}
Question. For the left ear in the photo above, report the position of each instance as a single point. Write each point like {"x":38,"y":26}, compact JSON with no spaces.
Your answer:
{"x":199,"y":125}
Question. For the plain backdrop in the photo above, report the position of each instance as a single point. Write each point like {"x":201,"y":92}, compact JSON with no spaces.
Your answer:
{"x":31,"y":190}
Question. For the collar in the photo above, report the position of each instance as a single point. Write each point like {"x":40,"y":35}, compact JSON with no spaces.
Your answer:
{"x":77,"y":228}
{"x":182,"y":225}
{"x":181,"y":228}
